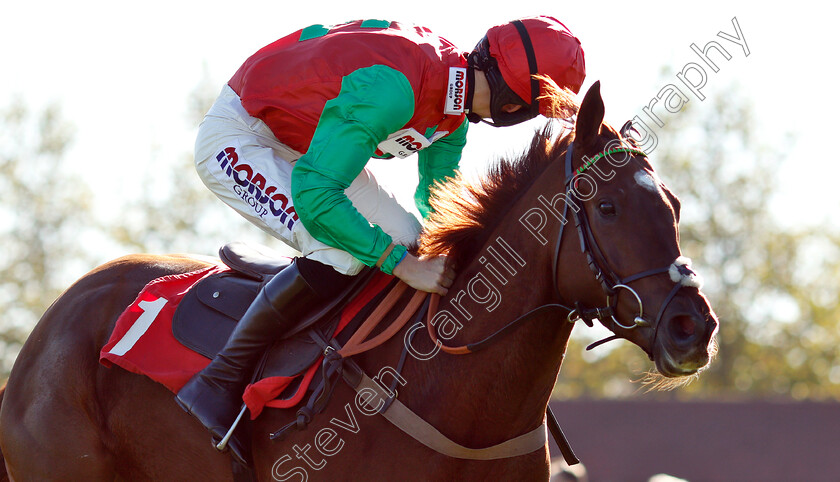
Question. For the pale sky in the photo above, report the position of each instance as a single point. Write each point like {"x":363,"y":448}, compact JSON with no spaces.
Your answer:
{"x":123,"y":73}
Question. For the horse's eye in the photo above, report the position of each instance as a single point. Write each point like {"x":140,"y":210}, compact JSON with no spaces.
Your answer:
{"x":607,"y":208}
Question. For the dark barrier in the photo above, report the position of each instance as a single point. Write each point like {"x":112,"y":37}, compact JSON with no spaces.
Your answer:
{"x":629,"y":441}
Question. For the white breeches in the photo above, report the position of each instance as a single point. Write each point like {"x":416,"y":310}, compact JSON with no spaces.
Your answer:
{"x":240,"y":160}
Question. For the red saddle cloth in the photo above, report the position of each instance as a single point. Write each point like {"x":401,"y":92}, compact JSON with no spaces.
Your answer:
{"x":142,"y":341}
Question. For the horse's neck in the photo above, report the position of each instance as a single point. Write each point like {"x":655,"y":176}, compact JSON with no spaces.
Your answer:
{"x":500,"y":391}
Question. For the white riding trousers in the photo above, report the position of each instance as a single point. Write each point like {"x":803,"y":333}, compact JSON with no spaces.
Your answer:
{"x":242,"y":162}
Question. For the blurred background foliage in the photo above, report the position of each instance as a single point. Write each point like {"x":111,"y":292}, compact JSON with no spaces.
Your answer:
{"x":773,"y":283}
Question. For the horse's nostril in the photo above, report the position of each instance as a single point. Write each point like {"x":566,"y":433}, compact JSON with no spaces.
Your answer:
{"x":682,"y":328}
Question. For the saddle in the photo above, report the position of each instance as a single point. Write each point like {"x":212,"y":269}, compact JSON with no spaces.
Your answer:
{"x":209,"y":312}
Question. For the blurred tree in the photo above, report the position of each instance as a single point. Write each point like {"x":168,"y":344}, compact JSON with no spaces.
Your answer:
{"x":773,"y":288}
{"x":42,"y":211}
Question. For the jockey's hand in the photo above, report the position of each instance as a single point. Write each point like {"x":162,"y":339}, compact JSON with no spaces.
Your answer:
{"x":426,"y":274}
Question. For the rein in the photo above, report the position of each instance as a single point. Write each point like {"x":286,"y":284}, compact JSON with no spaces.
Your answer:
{"x":357,"y":344}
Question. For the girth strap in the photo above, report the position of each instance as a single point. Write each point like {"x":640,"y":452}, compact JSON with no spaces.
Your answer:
{"x":410,"y":423}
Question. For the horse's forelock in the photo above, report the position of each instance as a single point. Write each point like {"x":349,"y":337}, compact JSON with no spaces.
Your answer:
{"x":560,"y":101}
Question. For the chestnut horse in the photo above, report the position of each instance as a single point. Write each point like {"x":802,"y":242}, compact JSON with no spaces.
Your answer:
{"x":522,"y":238}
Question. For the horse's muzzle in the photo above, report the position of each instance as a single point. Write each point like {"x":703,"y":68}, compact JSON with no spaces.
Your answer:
{"x":684,"y":342}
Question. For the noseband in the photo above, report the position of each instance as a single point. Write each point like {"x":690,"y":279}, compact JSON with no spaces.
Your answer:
{"x":609,"y":280}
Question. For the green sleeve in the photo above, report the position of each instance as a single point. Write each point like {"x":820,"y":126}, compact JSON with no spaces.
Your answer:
{"x":436,"y":163}
{"x":373,"y":103}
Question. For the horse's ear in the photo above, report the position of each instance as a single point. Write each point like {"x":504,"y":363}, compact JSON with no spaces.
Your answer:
{"x":590,"y":116}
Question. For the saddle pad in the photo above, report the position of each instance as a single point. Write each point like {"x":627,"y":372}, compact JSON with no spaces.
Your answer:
{"x":142,"y":341}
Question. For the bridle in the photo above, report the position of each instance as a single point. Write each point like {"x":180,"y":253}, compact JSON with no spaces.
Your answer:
{"x":608,"y":279}
{"x":597,"y":261}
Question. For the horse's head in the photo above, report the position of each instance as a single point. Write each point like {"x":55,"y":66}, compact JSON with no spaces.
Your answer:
{"x":625,"y":223}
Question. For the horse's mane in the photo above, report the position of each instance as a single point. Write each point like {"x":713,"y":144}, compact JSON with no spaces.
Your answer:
{"x":464,"y":212}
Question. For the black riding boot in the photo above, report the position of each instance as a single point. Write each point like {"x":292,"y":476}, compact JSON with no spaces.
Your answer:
{"x":214,"y":395}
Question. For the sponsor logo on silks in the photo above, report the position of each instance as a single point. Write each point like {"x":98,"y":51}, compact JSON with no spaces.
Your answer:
{"x":456,"y":91}
{"x":253,"y":188}
{"x":404,"y":143}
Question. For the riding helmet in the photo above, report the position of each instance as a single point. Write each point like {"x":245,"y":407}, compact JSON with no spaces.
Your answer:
{"x":512,"y":53}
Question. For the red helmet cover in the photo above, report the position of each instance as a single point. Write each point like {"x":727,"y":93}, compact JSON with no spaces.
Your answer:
{"x":558,"y":53}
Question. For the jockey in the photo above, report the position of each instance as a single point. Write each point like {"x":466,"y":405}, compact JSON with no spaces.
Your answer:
{"x":287,"y":141}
